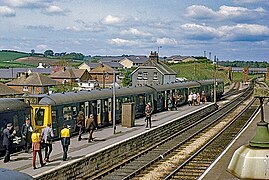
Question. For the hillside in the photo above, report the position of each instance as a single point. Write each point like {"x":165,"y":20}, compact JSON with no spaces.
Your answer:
{"x":200,"y":71}
{"x":11,"y":55}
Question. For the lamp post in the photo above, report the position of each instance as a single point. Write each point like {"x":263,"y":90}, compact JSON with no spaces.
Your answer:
{"x":215,"y":83}
{"x":114,"y":104}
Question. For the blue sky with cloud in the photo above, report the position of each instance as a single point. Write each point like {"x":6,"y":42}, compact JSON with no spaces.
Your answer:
{"x":229,"y":29}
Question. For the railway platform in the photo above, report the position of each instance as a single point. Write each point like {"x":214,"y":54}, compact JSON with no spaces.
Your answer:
{"x":103,"y":138}
{"x":218,"y":170}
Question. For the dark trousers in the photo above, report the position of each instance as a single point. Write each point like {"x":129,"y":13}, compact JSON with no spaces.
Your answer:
{"x":8,"y":149}
{"x":80,"y":131}
{"x":27,"y":145}
{"x":65,"y":149}
{"x":40,"y":157}
{"x":48,"y":150}
{"x":90,"y":135}
{"x":148,"y":119}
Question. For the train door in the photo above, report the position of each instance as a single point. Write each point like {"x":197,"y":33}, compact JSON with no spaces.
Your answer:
{"x":98,"y":113}
{"x":110,"y":109}
{"x":93,"y":110}
{"x":105,"y":112}
{"x":118,"y":109}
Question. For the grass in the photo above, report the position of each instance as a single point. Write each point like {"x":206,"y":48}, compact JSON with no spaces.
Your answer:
{"x":11,"y":56}
{"x":200,"y":71}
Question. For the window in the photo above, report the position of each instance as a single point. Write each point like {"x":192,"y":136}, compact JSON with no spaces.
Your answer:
{"x":145,"y":75}
{"x":16,"y":123}
{"x":39,"y":116}
{"x":139,"y":76}
{"x":155,"y":76}
{"x":67,"y":113}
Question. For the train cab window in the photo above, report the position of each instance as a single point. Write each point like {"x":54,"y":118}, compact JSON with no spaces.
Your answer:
{"x":67,"y":113}
{"x":74,"y":111}
{"x":39,"y":116}
{"x":16,"y":123}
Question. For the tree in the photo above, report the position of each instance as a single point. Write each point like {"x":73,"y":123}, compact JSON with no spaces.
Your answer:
{"x":32,"y":52}
{"x":48,"y":52}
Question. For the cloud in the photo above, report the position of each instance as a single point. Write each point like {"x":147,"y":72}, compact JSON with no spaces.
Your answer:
{"x":122,"y":42}
{"x":166,"y":41}
{"x":42,"y":47}
{"x":134,"y":31}
{"x":239,"y":32}
{"x":245,"y":32}
{"x":7,"y":12}
{"x":54,"y":10}
{"x":200,"y":32}
{"x":109,"y":19}
{"x":224,"y":13}
{"x":28,"y":3}
{"x":248,"y":1}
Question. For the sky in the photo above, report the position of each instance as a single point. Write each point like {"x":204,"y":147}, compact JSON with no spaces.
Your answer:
{"x":228,"y":29}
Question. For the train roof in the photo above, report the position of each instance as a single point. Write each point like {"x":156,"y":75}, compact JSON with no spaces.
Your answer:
{"x":81,"y":96}
{"x":209,"y":81}
{"x":176,"y":85}
{"x":8,"y":104}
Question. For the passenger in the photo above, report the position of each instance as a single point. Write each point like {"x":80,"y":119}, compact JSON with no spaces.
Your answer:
{"x":26,"y":133}
{"x":65,"y":140}
{"x":8,"y":135}
{"x":169,"y":104}
{"x":148,"y":112}
{"x":80,"y":124}
{"x":36,"y":146}
{"x":47,"y":135}
{"x":190,"y":99}
{"x":194,"y":99}
{"x":90,"y":126}
{"x":198,"y":99}
{"x":203,"y":97}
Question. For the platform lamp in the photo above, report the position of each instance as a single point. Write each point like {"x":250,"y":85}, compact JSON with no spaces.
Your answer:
{"x":261,"y":138}
{"x":114,"y":103}
{"x":250,"y":161}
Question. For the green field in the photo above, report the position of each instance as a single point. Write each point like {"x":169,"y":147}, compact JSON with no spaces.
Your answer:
{"x":11,"y":56}
{"x":200,"y":71}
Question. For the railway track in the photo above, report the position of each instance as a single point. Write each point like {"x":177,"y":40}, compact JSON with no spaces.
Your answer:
{"x":139,"y":165}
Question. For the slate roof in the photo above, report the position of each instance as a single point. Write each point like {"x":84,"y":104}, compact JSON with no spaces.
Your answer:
{"x":34,"y":79}
{"x":137,"y":59}
{"x":11,"y":73}
{"x":163,"y":68}
{"x":92,"y":65}
{"x":67,"y":74}
{"x":5,"y":90}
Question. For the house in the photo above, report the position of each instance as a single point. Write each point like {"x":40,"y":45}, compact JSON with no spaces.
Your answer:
{"x":177,"y":59}
{"x":104,"y":75}
{"x":88,"y":65}
{"x":7,"y":92}
{"x":71,"y":76}
{"x":133,"y":61}
{"x":153,"y":72}
{"x":13,"y":73}
{"x":33,"y":83}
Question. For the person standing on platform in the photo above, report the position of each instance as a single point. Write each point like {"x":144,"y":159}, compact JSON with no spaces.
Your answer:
{"x":47,"y":135}
{"x":90,"y":126}
{"x":80,"y":124}
{"x":203,"y":97}
{"x":36,"y":146}
{"x":65,"y":140}
{"x":8,"y":135}
{"x":26,"y":133}
{"x":148,"y":112}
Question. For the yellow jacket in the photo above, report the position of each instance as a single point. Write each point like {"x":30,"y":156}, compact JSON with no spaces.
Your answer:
{"x":65,"y":133}
{"x":36,"y":137}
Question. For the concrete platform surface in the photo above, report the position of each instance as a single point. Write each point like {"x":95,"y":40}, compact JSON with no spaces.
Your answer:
{"x":102,"y":138}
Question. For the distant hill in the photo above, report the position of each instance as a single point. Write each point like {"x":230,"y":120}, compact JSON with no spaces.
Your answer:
{"x":6,"y":55}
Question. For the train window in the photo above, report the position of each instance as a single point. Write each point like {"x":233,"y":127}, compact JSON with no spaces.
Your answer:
{"x":67,"y":113}
{"x":74,"y":111}
{"x":98,"y":106}
{"x":141,"y":100}
{"x":16,"y":123}
{"x":117,"y":104}
{"x":39,"y":116}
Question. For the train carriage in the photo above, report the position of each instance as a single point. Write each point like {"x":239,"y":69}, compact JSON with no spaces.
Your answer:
{"x":13,"y":111}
